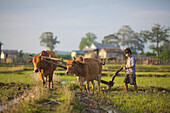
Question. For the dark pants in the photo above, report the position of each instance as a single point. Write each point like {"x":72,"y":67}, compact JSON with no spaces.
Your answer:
{"x":130,"y":78}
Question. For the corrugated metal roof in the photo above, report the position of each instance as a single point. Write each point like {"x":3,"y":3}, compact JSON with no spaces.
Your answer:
{"x":99,"y":46}
{"x":79,"y":52}
{"x":116,"y":49}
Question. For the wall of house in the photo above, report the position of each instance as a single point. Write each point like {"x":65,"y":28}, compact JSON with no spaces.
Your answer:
{"x":73,"y":54}
{"x":2,"y":55}
{"x":111,"y":54}
{"x":102,"y":53}
{"x":92,"y":46}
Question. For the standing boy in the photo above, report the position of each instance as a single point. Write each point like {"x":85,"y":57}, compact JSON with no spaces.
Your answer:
{"x":130,"y":76}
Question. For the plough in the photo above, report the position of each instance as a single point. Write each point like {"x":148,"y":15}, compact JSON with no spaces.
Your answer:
{"x":109,"y":84}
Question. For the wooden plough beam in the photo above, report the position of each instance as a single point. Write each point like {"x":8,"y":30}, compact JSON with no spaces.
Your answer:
{"x":109,"y":84}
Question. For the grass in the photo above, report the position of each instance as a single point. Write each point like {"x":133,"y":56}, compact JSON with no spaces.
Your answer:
{"x":140,"y":102}
{"x":153,"y":96}
{"x":120,"y":65}
{"x":12,"y":84}
{"x":144,"y":83}
{"x":35,"y":97}
{"x":141,"y":70}
{"x":145,"y":101}
{"x":110,"y":73}
{"x":41,"y":104}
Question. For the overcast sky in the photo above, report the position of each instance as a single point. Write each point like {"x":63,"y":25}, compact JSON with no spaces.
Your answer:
{"x":23,"y":21}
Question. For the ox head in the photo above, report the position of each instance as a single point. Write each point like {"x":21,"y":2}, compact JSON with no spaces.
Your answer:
{"x":74,"y":67}
{"x":37,"y":62}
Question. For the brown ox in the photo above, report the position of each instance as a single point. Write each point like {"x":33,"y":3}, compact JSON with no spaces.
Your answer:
{"x":88,"y":70}
{"x":46,"y":69}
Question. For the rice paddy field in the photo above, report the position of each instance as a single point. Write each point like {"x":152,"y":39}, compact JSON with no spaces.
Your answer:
{"x":21,"y":91}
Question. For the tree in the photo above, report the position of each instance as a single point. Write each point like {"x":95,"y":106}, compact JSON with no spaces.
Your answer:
{"x":20,"y":54}
{"x":111,"y":39}
{"x":157,"y":35}
{"x":48,"y":40}
{"x":131,"y":39}
{"x":87,"y":40}
{"x":126,"y":37}
{"x":165,"y":50}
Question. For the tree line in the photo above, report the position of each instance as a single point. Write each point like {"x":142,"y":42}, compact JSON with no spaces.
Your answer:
{"x":125,"y":37}
{"x":158,"y":36}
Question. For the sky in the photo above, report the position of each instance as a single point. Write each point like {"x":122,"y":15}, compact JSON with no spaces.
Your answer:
{"x":23,"y":21}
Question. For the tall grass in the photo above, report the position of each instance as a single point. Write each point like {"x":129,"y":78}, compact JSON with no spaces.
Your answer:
{"x":141,"y":102}
{"x":36,"y":99}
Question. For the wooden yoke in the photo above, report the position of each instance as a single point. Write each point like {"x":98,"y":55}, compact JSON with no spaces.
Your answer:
{"x":59,"y":60}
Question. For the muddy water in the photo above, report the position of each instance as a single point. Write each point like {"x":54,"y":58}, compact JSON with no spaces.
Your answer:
{"x":13,"y":101}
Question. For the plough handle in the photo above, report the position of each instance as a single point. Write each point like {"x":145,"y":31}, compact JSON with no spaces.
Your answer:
{"x":113,"y":77}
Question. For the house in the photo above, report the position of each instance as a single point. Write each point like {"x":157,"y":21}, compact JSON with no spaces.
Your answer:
{"x":0,"y":50}
{"x":76,"y":53}
{"x":98,"y":50}
{"x":110,"y":52}
{"x":97,"y":45}
{"x":103,"y":51}
{"x":9,"y":55}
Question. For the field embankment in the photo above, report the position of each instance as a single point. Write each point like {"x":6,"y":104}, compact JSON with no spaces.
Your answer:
{"x":141,"y":70}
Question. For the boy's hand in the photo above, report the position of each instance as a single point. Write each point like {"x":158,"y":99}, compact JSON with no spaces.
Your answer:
{"x":124,"y":67}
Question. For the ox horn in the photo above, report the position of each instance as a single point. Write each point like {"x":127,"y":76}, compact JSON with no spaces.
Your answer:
{"x":30,"y":55}
{"x":74,"y":58}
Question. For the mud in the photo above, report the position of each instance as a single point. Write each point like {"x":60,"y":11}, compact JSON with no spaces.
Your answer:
{"x":95,"y":104}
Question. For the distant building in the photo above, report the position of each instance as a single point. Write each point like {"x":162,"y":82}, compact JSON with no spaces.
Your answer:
{"x":9,"y":55}
{"x":0,"y":50}
{"x":103,"y":51}
{"x":76,"y":53}
{"x":97,"y":45}
{"x":107,"y":52}
{"x":98,"y":50}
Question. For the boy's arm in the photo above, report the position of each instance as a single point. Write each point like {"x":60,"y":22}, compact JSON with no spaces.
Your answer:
{"x":133,"y":64}
{"x":128,"y":67}
{"x":124,"y":67}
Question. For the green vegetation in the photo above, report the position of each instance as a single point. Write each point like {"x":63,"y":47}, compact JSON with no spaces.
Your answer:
{"x":48,"y":40}
{"x":153,"y":95}
{"x":140,"y":102}
{"x":64,"y":56}
{"x":157,"y":35}
{"x":13,"y":84}
{"x":35,"y":98}
{"x":87,"y":40}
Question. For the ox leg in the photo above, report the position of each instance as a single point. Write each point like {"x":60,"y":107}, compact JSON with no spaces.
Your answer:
{"x":50,"y":79}
{"x":46,"y":79}
{"x":42,"y":79}
{"x":80,"y":84}
{"x":99,"y":79}
{"x":87,"y":87}
{"x":93,"y":85}
{"x":52,"y":83}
